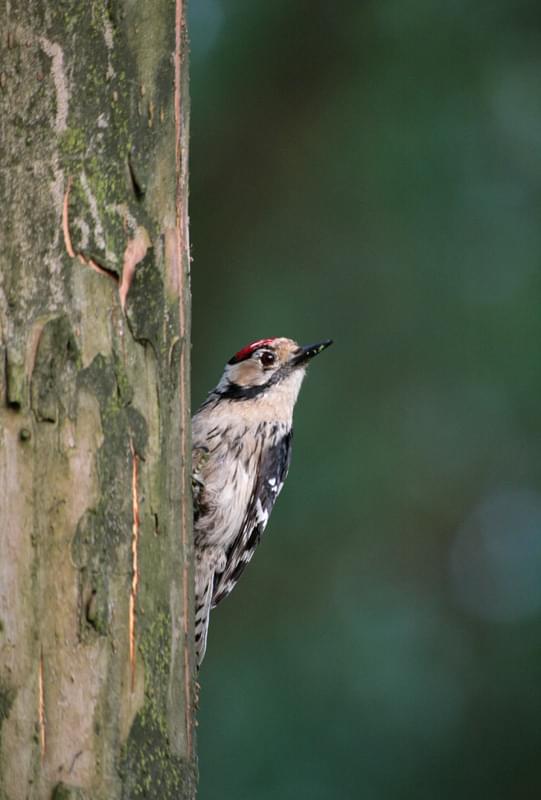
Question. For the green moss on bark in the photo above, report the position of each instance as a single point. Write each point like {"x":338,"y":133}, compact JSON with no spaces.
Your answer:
{"x":64,"y":792}
{"x":149,"y":768}
{"x":107,"y":527}
{"x":7,"y":698}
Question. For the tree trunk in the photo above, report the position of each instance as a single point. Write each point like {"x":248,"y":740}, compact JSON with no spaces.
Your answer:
{"x":96,"y":658}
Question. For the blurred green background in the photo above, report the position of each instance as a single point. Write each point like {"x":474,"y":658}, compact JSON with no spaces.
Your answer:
{"x":371,"y":172}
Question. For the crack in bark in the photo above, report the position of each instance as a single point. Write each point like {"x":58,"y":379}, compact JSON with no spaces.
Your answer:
{"x":135,"y":562}
{"x":41,"y":709}
{"x":135,"y":252}
{"x":86,"y":260}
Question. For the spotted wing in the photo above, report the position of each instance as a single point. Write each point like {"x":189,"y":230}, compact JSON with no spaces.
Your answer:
{"x":272,"y":473}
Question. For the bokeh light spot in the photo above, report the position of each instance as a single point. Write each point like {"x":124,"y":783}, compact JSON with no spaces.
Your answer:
{"x":495,"y":561}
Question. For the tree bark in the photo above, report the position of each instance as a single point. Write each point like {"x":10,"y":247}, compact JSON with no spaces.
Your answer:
{"x":96,"y":657}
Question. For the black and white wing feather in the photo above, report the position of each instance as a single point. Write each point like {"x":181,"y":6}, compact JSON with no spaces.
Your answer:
{"x":271,"y":475}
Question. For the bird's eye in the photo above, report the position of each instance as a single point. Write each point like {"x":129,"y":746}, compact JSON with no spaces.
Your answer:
{"x":267,"y":358}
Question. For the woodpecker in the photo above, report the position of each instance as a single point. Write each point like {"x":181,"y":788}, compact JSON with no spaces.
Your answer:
{"x":241,"y":452}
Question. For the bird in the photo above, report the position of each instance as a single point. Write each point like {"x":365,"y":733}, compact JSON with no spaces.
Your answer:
{"x":241,"y":450}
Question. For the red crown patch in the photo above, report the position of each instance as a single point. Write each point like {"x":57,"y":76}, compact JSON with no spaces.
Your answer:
{"x":247,"y":351}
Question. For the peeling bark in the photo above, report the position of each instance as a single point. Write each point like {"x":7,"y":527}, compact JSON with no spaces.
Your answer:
{"x":96,"y":658}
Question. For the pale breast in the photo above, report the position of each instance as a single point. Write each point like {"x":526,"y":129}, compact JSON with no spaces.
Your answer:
{"x":228,"y":477}
{"x":229,"y":474}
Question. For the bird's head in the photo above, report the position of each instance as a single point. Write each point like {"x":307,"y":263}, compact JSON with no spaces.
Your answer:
{"x":267,"y":366}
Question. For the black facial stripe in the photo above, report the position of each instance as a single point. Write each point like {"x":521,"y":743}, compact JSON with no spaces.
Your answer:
{"x":234,"y":391}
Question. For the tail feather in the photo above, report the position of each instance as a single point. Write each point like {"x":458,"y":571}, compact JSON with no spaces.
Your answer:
{"x":203,"y":599}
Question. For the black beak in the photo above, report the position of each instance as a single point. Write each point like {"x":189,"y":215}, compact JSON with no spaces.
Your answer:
{"x":307,"y":352}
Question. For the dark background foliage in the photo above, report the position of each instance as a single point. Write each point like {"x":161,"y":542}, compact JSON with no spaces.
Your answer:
{"x":370,"y":171}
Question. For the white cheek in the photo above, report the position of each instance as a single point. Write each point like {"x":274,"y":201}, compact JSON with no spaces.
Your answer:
{"x":247,"y":373}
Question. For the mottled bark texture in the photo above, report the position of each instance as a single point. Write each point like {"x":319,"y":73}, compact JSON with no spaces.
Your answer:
{"x":96,"y":663}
